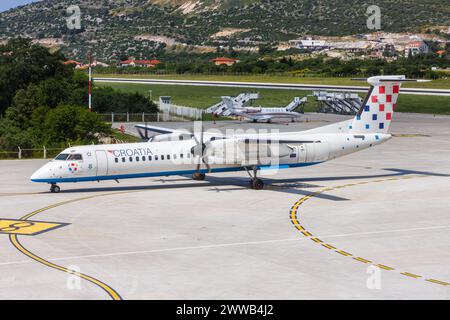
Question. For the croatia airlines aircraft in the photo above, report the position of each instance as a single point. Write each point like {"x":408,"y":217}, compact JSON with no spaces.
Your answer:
{"x":180,"y":152}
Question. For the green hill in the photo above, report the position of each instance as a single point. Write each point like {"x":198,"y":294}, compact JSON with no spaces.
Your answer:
{"x":110,"y":28}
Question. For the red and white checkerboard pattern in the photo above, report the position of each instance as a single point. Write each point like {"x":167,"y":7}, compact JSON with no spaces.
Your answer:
{"x":379,"y":109}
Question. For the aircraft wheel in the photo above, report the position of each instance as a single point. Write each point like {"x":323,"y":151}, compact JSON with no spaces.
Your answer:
{"x":55,"y":189}
{"x":257,"y":184}
{"x":199,"y":176}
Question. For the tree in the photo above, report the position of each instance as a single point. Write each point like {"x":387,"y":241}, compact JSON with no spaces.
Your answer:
{"x":106,"y":99}
{"x":71,"y":124}
{"x":22,"y":64}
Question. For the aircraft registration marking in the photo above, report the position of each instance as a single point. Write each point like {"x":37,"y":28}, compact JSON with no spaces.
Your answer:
{"x":27,"y":227}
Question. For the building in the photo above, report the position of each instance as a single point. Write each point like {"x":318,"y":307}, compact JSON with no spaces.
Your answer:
{"x":80,"y":65}
{"x":351,"y":46}
{"x":224,"y":61}
{"x":311,"y":44}
{"x":440,"y":53}
{"x":73,"y":63}
{"x":416,"y":47}
{"x":140,"y":63}
{"x":383,"y":50}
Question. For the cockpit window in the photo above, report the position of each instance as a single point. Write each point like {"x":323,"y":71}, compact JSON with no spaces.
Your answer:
{"x":62,"y":156}
{"x":75,"y":157}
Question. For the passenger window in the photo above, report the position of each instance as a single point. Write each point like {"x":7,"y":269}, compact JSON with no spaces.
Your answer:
{"x":156,"y":157}
{"x":181,"y":156}
{"x":137,"y":159}
{"x":131,"y":159}
{"x":162,"y":157}
{"x":143,"y":158}
{"x":175,"y":157}
{"x":123,"y":159}
{"x":168,"y":157}
{"x":149,"y":158}
{"x":117,"y":160}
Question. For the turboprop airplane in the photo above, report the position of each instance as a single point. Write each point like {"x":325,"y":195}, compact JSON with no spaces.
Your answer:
{"x":181,"y":152}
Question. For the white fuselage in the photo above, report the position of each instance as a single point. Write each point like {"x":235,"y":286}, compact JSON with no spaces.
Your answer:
{"x":138,"y":160}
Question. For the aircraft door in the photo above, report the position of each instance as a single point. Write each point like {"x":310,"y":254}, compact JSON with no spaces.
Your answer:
{"x":102,"y":163}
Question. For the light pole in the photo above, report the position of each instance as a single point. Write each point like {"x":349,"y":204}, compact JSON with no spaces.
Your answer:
{"x":90,"y":79}
{"x":150,"y":95}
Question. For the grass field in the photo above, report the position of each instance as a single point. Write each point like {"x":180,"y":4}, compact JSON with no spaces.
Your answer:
{"x":436,"y":84}
{"x":204,"y":97}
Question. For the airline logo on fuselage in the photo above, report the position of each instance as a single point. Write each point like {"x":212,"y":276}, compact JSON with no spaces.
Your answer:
{"x":131,"y":152}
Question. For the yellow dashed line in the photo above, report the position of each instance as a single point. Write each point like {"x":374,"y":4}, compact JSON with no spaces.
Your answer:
{"x":362,"y":260}
{"x":295,"y":221}
{"x":438,"y":282}
{"x":344,"y":253}
{"x":412,"y":275}
{"x":382,"y":266}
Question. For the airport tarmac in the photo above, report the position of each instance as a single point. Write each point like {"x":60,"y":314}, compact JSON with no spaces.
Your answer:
{"x":313,"y":233}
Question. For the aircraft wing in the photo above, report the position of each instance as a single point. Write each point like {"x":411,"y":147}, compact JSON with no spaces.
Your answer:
{"x":160,"y":130}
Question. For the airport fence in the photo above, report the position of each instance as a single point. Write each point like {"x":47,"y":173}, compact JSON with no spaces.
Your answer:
{"x":175,"y":113}
{"x":37,"y":153}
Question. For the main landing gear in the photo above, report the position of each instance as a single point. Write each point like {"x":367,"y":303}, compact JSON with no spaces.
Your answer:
{"x":255,"y":183}
{"x":199,"y":176}
{"x":54,"y":188}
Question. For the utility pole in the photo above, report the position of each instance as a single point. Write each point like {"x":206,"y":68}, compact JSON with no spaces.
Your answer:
{"x":90,"y":79}
{"x":150,"y":95}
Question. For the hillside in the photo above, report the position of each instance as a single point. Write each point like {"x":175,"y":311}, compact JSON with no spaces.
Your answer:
{"x":142,"y":28}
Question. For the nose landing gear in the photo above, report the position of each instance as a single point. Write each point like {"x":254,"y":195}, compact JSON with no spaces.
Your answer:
{"x":54,"y":188}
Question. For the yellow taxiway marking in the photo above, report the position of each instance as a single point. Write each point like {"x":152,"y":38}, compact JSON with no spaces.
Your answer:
{"x":16,"y":243}
{"x":27,"y":227}
{"x":296,"y":222}
{"x":110,"y":291}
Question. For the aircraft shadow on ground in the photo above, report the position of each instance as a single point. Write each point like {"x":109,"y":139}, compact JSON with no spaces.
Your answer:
{"x":226,"y":184}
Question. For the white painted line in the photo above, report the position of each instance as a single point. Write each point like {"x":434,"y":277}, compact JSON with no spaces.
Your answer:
{"x":268,"y":85}
{"x":236,"y":244}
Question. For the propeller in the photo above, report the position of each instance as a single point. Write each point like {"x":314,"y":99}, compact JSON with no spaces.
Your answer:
{"x":199,"y":149}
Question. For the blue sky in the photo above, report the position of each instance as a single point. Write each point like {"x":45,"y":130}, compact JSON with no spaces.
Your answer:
{"x":8,"y":4}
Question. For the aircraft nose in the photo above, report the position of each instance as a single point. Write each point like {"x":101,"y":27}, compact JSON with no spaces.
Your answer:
{"x":40,"y":174}
{"x":37,"y":175}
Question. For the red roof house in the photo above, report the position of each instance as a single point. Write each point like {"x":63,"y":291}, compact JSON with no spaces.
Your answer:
{"x":224,"y":61}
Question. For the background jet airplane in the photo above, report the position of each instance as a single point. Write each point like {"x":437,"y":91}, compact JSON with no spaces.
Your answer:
{"x":199,"y":153}
{"x":236,"y":106}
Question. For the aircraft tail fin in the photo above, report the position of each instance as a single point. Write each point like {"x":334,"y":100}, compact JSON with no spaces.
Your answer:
{"x":377,"y":110}
{"x":228,"y":102}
